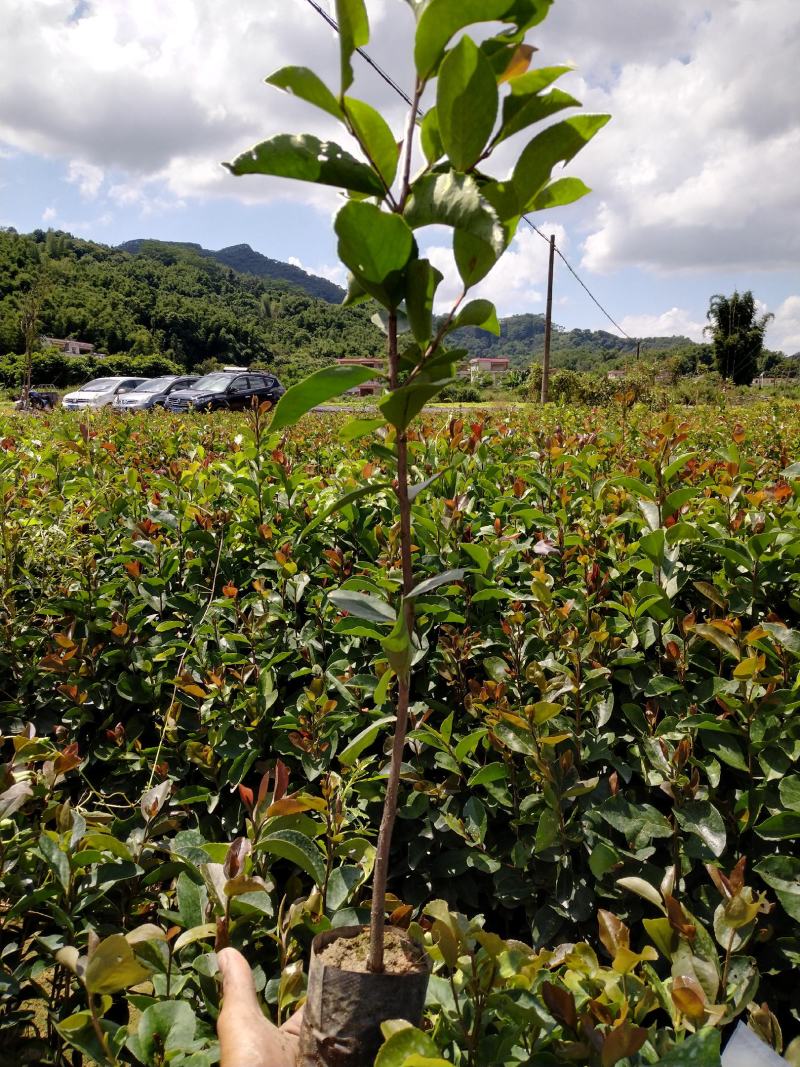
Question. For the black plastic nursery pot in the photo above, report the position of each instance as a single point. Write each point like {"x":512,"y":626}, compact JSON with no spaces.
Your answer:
{"x":345,"y":1008}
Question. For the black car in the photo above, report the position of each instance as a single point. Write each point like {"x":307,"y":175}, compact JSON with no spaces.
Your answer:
{"x":38,"y":400}
{"x":153,"y":393}
{"x":226,"y":389}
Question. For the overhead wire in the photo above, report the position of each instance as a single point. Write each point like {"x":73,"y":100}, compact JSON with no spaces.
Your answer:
{"x":393,"y":84}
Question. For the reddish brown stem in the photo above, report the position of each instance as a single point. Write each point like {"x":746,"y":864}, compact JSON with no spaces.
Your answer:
{"x":381,"y":872}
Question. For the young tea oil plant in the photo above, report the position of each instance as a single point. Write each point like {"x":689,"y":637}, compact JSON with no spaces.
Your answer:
{"x":582,"y":629}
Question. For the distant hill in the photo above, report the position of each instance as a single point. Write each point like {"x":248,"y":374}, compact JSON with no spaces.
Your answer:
{"x":193,"y":305}
{"x":521,"y":340}
{"x":153,"y":297}
{"x":246,"y":260}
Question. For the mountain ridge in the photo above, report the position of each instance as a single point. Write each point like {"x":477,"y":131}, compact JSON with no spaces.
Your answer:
{"x":244,"y":259}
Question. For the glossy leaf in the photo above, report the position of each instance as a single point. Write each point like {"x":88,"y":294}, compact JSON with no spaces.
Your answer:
{"x":442,"y":19}
{"x":466,"y":103}
{"x":452,"y":199}
{"x":374,"y":133}
{"x":319,"y":387}
{"x":305,"y":158}
{"x":298,"y":849}
{"x":362,"y":605}
{"x":351,"y":17}
{"x":305,"y":84}
{"x":557,"y":144}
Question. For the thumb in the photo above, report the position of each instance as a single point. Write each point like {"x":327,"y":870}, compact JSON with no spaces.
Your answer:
{"x":237,"y":980}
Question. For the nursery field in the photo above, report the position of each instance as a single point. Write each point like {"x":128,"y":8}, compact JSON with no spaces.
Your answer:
{"x":597,"y":838}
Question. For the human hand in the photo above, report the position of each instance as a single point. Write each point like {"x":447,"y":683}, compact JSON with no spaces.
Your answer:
{"x":246,"y":1037}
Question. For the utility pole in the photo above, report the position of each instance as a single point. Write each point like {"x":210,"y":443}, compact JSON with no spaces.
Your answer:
{"x":548,"y":321}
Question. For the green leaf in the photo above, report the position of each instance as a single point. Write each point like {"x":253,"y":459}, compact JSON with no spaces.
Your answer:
{"x":452,"y":199}
{"x":375,"y":136}
{"x":782,"y":873}
{"x":305,"y":158}
{"x":789,"y":790}
{"x":650,"y":512}
{"x":721,"y":640}
{"x":431,"y":138}
{"x":56,"y":859}
{"x":406,"y":1043}
{"x":442,"y":19}
{"x":401,"y":405}
{"x":474,"y":257}
{"x":466,"y":103}
{"x":557,"y":144}
{"x":788,"y":639}
{"x":362,"y":605}
{"x":398,"y":648}
{"x":113,"y":967}
{"x":298,"y":849}
{"x":784,"y":826}
{"x":523,"y":106}
{"x":698,"y":1050}
{"x":364,"y":739}
{"x":305,"y":84}
{"x":544,"y":710}
{"x":710,"y":592}
{"x":445,"y":578}
{"x":359,"y":428}
{"x":376,"y":246}
{"x":422,"y":280}
{"x":701,"y":818}
{"x":380,"y":694}
{"x":168,"y":1026}
{"x":480,"y":313}
{"x":317,"y":388}
{"x":560,"y":192}
{"x":343,"y":501}
{"x":351,"y":15}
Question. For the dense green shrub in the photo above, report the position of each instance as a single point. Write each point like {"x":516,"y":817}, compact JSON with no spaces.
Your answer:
{"x":607,"y":718}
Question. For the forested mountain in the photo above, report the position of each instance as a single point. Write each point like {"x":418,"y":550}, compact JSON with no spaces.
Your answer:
{"x":247,"y":261}
{"x":180,"y":301}
{"x":174,"y":301}
{"x":522,"y":339}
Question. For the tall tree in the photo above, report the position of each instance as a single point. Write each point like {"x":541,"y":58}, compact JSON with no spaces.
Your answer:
{"x":30,"y":314}
{"x":737,"y":333}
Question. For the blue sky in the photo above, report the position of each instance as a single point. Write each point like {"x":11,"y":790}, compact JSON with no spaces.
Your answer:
{"x":114,"y":119}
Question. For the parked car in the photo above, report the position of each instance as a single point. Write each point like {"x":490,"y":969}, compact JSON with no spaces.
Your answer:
{"x":38,"y":400}
{"x":100,"y":392}
{"x":226,"y":389}
{"x":153,"y":392}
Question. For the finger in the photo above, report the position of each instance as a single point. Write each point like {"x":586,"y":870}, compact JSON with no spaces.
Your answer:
{"x":237,"y":979}
{"x":293,"y":1025}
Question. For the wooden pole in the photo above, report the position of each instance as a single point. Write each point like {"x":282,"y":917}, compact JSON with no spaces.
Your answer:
{"x":548,"y":321}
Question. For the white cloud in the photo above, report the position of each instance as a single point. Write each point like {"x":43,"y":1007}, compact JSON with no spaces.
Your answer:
{"x":518,"y":282}
{"x":49,"y":214}
{"x":675,"y":321}
{"x":783,"y":333}
{"x":87,"y":177}
{"x":697,"y":169}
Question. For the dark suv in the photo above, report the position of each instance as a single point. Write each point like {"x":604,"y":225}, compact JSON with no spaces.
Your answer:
{"x":226,"y":389}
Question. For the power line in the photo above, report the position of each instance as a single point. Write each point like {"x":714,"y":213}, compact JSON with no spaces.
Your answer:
{"x":365,"y":56}
{"x":390,"y":81}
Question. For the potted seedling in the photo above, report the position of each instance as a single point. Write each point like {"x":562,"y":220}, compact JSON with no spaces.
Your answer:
{"x":475,"y":96}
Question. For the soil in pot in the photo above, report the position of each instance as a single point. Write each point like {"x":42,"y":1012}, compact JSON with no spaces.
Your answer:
{"x":401,"y":955}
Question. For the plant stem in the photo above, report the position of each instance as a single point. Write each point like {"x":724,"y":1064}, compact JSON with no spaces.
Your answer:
{"x":377,"y":915}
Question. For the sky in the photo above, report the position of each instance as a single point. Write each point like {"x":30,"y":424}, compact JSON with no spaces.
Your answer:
{"x":115,"y":117}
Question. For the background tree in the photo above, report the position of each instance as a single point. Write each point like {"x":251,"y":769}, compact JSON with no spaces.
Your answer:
{"x":737,"y":334}
{"x":30,"y":315}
